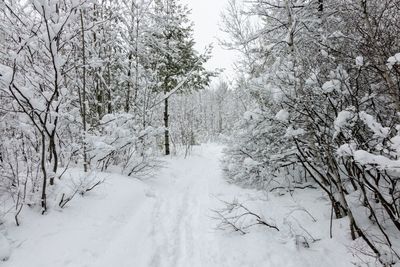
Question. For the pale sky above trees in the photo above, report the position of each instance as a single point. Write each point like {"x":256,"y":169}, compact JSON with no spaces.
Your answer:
{"x":206,"y":14}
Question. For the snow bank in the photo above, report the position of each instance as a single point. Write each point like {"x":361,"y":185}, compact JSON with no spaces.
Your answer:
{"x":80,"y":233}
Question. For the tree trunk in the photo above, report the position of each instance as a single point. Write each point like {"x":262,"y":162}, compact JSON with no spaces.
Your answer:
{"x":320,"y":7}
{"x":43,"y":167}
{"x":83,"y":102}
{"x":53,"y":151}
{"x":128,"y":91}
{"x":166,"y":125}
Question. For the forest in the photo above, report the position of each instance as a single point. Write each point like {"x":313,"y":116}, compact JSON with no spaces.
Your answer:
{"x":120,"y":144}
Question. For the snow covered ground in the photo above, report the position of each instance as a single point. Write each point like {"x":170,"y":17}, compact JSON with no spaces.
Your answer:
{"x":167,"y":222}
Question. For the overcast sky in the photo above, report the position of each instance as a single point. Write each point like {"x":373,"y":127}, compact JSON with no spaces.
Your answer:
{"x":206,"y":14}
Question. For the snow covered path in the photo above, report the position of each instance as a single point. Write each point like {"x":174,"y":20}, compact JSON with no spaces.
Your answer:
{"x":174,"y":228}
{"x":165,"y":222}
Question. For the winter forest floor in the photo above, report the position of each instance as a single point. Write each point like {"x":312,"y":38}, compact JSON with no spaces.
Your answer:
{"x":167,"y":221}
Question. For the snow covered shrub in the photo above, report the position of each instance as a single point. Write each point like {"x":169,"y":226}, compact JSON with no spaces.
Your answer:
{"x":57,"y":85}
{"x":74,"y":183}
{"x":336,"y":125}
{"x":342,"y":98}
{"x":20,"y":179}
{"x":37,"y":87}
{"x":122,"y":142}
{"x":261,"y":153}
{"x":19,"y":169}
{"x":370,"y":159}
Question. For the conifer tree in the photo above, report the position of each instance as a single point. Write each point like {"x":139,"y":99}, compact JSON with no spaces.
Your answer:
{"x":177,"y":65}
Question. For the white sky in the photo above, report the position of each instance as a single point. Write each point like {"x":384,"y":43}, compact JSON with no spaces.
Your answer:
{"x":206,"y":15}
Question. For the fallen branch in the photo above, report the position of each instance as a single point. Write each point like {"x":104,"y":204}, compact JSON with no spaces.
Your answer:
{"x":93,"y":186}
{"x":238,"y":217}
{"x":293,"y":188}
{"x":81,"y":188}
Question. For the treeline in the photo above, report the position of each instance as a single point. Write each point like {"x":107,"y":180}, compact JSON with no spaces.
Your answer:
{"x":324,"y":77}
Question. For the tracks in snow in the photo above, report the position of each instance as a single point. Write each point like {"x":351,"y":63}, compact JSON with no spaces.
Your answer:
{"x":180,"y":220}
{"x":173,"y":227}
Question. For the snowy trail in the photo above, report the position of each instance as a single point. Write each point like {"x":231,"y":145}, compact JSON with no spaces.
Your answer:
{"x":175,"y":229}
{"x":166,"y":222}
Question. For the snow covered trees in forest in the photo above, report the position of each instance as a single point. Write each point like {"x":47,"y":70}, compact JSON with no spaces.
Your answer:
{"x":104,"y":84}
{"x":82,"y":83}
{"x":39,"y":37}
{"x":204,"y":116}
{"x":177,"y":64}
{"x":324,"y":77}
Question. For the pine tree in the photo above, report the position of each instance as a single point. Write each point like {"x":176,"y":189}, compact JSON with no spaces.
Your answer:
{"x":177,"y":65}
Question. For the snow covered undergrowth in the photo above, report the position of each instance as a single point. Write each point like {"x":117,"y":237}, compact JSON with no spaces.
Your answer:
{"x":168,"y":221}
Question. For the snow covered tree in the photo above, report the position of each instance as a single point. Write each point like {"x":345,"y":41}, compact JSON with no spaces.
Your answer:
{"x":175,"y":62}
{"x":316,"y":72}
{"x":208,"y":115}
{"x":76,"y":89}
{"x":40,"y":34}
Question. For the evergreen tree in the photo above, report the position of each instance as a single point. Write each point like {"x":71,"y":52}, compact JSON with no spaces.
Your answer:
{"x":176,"y":64}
